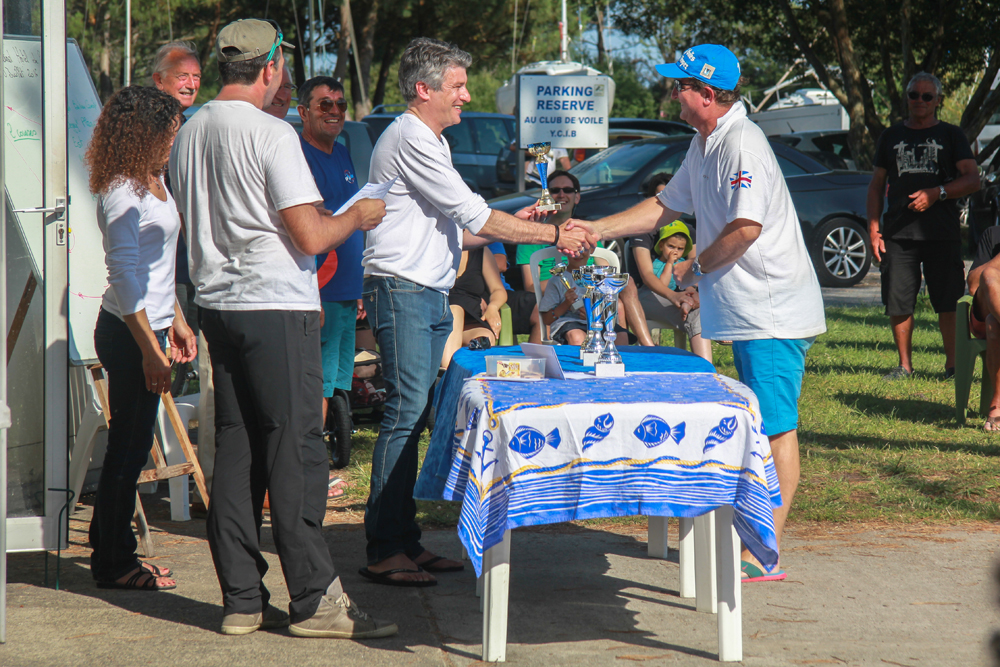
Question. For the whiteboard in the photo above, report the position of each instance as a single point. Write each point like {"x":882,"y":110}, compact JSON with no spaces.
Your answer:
{"x":23,"y":169}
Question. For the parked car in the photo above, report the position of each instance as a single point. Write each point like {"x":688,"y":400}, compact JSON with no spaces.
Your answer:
{"x":827,"y":146}
{"x":475,"y":143}
{"x":620,"y":130}
{"x":830,"y":204}
{"x":355,"y":136}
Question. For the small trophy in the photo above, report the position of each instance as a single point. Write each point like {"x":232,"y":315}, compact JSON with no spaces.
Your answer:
{"x":539,"y":151}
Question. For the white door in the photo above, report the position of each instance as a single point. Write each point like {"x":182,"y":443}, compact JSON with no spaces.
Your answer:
{"x":34,"y":158}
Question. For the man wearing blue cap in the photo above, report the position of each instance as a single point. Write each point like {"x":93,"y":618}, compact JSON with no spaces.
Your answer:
{"x":758,"y":286}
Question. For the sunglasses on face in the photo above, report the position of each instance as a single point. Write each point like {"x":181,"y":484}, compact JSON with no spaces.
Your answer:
{"x":565,"y":191}
{"x":926,"y":97}
{"x":326,"y":105}
{"x":681,"y":86}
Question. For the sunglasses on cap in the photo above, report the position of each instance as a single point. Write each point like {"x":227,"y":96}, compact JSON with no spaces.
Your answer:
{"x":565,"y":191}
{"x":326,"y":105}
{"x":914,"y":95}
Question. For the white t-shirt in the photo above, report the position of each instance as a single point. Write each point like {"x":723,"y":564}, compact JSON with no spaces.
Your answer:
{"x":140,"y":243}
{"x":233,"y":168}
{"x":771,"y":291}
{"x":420,"y":238}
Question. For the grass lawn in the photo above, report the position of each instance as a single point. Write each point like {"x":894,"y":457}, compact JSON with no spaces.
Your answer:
{"x":872,"y":451}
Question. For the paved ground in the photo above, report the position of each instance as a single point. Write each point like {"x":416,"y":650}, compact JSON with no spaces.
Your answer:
{"x":579,"y":596}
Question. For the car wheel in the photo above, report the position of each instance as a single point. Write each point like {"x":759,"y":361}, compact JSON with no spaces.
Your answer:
{"x":842,"y":254}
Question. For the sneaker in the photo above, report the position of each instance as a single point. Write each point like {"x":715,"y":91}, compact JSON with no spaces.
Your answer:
{"x":897,"y":373}
{"x":949,"y":373}
{"x":244,"y":624}
{"x":340,"y":618}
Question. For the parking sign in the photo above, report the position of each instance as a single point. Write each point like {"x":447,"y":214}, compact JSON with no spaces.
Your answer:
{"x":568,"y":111}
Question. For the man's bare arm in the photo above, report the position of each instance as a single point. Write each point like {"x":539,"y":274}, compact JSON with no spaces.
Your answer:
{"x":735,"y":239}
{"x":313,"y":233}
{"x":873,"y":207}
{"x":502,"y":226}
{"x":645,"y":217}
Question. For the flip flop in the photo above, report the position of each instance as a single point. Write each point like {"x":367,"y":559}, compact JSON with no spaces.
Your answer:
{"x":992,"y":424}
{"x":753,"y":574}
{"x":132,"y":583}
{"x":386,"y":580}
{"x":154,"y":570}
{"x":335,"y":487}
{"x":428,"y":565}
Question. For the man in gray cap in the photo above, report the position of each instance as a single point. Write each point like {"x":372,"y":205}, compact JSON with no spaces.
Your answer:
{"x":249,"y":200}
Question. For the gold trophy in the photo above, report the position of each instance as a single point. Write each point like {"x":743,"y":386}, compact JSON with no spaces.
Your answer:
{"x":539,"y":151}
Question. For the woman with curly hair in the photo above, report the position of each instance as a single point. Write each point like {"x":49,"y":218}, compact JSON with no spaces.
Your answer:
{"x":127,"y":156}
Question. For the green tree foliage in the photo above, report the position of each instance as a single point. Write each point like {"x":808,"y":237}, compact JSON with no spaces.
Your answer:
{"x":864,"y":52}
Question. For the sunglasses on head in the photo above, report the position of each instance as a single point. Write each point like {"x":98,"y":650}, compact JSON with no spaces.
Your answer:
{"x":326,"y":105}
{"x":565,"y":191}
{"x":914,"y":95}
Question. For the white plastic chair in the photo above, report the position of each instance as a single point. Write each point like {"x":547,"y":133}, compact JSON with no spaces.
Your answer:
{"x":546,"y":253}
{"x":654,"y":326}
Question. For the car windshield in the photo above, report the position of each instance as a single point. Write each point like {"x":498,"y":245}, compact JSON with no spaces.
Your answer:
{"x":616,"y":164}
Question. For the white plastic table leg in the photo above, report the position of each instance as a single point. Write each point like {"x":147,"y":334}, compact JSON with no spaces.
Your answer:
{"x":704,"y":569}
{"x":496,"y":583}
{"x":686,"y":558}
{"x":465,"y":553}
{"x":729,"y":593}
{"x":479,"y":591}
{"x":656,"y":544}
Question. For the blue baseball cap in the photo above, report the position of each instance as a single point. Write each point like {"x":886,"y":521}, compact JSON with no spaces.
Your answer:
{"x":709,"y":63}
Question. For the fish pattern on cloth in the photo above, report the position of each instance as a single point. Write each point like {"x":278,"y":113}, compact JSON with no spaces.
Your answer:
{"x":665,"y":444}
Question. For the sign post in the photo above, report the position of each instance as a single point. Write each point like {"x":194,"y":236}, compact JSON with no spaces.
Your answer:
{"x":567,"y":111}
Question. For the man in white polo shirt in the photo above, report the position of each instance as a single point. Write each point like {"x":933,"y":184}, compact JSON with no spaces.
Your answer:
{"x":411,"y":261}
{"x":249,"y":199}
{"x":758,"y":286}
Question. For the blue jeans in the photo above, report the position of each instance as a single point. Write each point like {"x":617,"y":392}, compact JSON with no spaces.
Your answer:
{"x":411,"y":324}
{"x":130,"y":437}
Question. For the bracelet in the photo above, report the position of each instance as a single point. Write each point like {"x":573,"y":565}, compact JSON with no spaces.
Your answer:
{"x":556,"y":242}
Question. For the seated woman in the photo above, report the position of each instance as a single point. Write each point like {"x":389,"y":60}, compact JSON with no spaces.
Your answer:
{"x":475,"y":301}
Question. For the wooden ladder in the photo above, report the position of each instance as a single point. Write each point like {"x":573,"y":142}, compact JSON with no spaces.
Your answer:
{"x":161,"y":469}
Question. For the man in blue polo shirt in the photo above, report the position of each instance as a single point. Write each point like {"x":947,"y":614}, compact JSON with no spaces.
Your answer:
{"x":322,"y":107}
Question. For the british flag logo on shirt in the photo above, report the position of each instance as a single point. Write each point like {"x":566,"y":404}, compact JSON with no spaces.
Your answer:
{"x":740,"y":179}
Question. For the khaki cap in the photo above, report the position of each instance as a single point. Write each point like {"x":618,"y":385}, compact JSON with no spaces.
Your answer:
{"x":253,"y":38}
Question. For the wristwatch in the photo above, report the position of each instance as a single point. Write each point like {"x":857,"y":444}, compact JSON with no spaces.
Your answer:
{"x":942,"y":193}
{"x":696,"y":268}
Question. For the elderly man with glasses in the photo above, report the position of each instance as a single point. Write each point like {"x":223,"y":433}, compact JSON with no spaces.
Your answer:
{"x":928,"y":165}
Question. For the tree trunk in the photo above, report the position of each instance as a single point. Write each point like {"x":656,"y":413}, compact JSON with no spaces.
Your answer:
{"x":984,"y":101}
{"x":602,"y":53}
{"x":107,"y":87}
{"x":366,"y":54}
{"x":865,"y":123}
{"x":340,"y":72}
{"x":388,"y":56}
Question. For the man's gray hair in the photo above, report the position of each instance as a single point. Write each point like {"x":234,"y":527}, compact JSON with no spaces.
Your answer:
{"x":427,"y":60}
{"x":926,"y":77}
{"x":165,"y":56}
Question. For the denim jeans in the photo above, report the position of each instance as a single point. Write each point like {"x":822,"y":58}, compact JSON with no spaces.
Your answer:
{"x":411,"y":324}
{"x":130,"y":437}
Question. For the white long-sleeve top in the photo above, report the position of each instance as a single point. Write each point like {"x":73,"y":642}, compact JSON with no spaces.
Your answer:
{"x":140,"y":244}
{"x":429,"y":205}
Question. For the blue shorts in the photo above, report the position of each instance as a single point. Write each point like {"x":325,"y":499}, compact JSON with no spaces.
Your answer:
{"x":773,"y":369}
{"x":337,"y":343}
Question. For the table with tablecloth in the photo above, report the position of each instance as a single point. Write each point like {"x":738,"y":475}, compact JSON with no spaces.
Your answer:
{"x":671,"y":438}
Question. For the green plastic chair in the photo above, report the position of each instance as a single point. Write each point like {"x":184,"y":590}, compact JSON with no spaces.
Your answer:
{"x":506,"y":326}
{"x":967,"y":349}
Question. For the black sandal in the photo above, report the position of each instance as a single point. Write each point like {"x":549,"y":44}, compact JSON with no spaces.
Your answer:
{"x":154,"y":570}
{"x":429,"y":566}
{"x":386,"y":580}
{"x":132,"y":584}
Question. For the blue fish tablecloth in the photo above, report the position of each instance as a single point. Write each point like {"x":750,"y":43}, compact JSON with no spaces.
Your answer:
{"x":676,"y":439}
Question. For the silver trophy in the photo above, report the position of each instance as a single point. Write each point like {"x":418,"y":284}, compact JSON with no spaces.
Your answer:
{"x":539,"y":151}
{"x":609,"y":364}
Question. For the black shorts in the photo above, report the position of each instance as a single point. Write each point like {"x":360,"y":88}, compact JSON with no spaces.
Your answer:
{"x":943,"y":271}
{"x":521,"y":304}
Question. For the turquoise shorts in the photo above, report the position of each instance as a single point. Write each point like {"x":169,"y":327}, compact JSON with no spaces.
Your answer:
{"x":773,"y":369}
{"x":337,"y":344}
